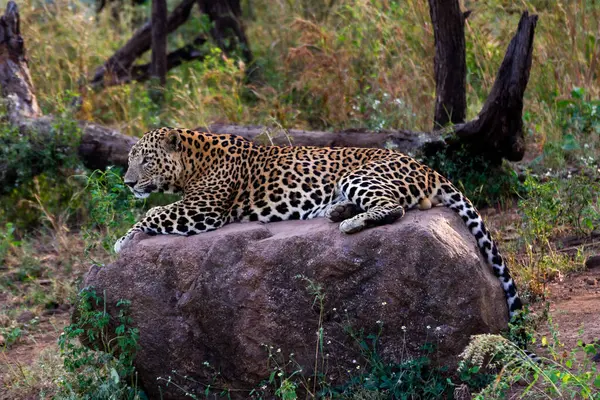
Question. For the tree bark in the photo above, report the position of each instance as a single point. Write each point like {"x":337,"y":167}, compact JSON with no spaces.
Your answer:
{"x":116,"y":70}
{"x":141,"y":73}
{"x":227,"y":31}
{"x":497,"y":132}
{"x":449,"y":62}
{"x":159,"y":41}
{"x":15,"y":79}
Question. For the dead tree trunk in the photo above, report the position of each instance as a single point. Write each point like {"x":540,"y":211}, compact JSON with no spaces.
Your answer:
{"x":116,"y":70}
{"x":449,"y":62}
{"x":227,"y":32}
{"x":497,"y":132}
{"x":15,"y":79}
{"x":159,"y":41}
{"x":493,"y":132}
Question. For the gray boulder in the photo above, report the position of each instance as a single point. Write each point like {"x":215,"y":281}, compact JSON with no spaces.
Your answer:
{"x":222,"y":298}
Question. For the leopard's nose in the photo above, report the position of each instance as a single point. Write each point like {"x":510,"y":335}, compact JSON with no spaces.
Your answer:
{"x":131,"y":184}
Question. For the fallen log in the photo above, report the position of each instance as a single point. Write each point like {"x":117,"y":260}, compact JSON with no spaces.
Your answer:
{"x":101,"y":146}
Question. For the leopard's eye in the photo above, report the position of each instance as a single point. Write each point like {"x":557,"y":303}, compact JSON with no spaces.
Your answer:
{"x":146,"y":160}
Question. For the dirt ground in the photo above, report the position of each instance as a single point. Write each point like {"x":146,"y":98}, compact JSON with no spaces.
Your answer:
{"x":575,"y":307}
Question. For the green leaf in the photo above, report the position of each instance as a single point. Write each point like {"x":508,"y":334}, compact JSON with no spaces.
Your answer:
{"x":114,"y":375}
{"x":577,"y":92}
{"x":597,"y":382}
{"x":569,"y":143}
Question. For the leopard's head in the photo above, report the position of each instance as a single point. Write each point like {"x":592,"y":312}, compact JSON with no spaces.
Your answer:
{"x":155,"y":163}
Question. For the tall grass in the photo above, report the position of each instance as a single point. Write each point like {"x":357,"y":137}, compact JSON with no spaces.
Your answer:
{"x":324,"y":64}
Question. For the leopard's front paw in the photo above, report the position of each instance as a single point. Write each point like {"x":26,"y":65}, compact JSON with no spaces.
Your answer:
{"x":353,"y":225}
{"x":124,"y":241}
{"x":119,"y":244}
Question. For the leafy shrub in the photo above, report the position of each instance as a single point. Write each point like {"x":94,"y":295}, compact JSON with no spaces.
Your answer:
{"x":483,"y":183}
{"x":7,"y":240}
{"x":550,"y":206}
{"x":112,"y":209}
{"x":410,"y":379}
{"x":561,"y":375}
{"x":550,"y":209}
{"x":104,"y":371}
{"x":579,"y":115}
{"x":26,"y":155}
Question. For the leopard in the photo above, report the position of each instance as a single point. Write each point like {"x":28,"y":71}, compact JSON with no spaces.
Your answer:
{"x":226,"y":178}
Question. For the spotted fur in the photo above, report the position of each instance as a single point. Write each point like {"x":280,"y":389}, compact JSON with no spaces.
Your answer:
{"x":225,"y":178}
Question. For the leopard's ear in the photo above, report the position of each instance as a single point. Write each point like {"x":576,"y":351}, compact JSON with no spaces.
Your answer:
{"x":174,"y":141}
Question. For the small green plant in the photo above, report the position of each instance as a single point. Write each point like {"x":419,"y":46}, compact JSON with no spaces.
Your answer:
{"x":542,"y":210}
{"x":408,"y":379}
{"x":25,"y":156}
{"x":7,"y":240}
{"x":103,"y":369}
{"x":11,"y":335}
{"x":112,"y":209}
{"x":578,"y":115}
{"x":548,"y":210}
{"x":483,"y":183}
{"x":582,"y":203}
{"x":558,"y":376}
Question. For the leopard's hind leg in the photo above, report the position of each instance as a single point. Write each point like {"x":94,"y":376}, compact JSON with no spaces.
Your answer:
{"x":383,"y":212}
{"x":380,"y":202}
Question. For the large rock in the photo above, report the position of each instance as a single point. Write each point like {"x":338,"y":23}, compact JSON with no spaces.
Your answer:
{"x":220,"y":297}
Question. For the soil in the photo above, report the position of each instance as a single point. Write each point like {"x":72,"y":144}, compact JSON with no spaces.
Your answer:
{"x":575,"y":307}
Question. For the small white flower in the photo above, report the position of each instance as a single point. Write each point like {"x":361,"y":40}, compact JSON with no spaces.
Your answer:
{"x":279,"y":350}
{"x":335,"y":309}
{"x":403,"y":328}
{"x":428,"y":327}
{"x":384,"y":303}
{"x":358,"y":367}
{"x":378,"y":322}
{"x":329,"y":342}
{"x":353,"y":361}
{"x":438,"y":328}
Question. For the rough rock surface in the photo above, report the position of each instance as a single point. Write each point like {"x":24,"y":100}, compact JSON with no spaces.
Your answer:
{"x":220,"y":297}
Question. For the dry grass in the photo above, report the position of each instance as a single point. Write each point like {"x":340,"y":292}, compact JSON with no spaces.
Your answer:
{"x":355,"y":63}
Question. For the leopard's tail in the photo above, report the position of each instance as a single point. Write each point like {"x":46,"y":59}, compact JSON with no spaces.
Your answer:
{"x":452,"y":198}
